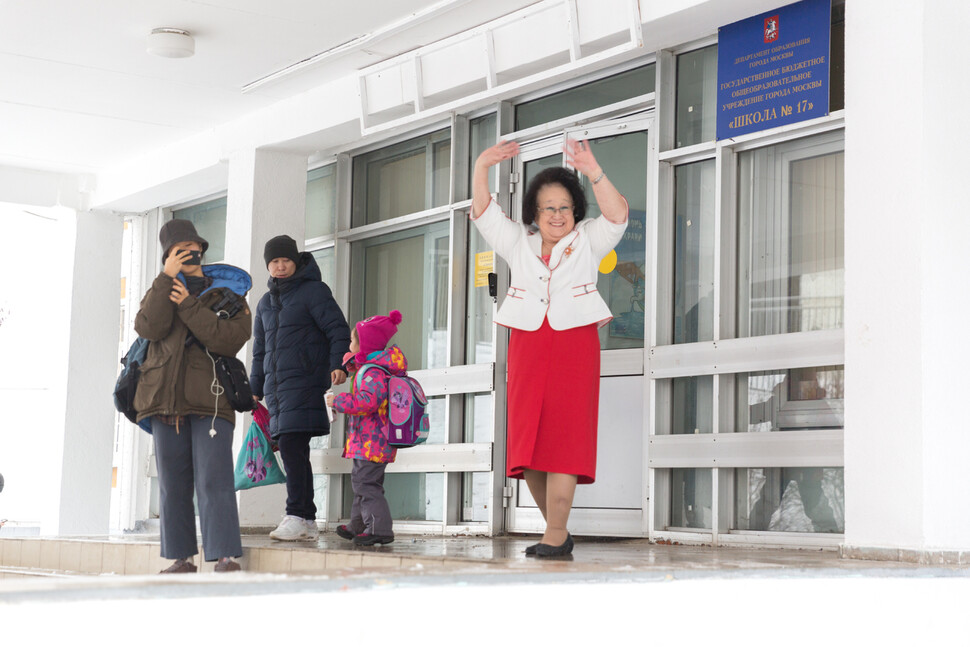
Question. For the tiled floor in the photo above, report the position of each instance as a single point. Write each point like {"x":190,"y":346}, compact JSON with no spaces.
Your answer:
{"x":410,"y":555}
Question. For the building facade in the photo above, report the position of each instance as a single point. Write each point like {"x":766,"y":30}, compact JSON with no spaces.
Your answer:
{"x":780,"y":368}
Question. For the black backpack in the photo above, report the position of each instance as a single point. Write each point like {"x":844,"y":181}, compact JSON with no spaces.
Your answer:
{"x":127,"y":383}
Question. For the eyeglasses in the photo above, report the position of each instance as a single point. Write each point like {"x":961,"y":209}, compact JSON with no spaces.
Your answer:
{"x":551,"y":211}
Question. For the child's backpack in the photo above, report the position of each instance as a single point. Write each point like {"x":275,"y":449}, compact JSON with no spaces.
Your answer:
{"x":407,"y":422}
{"x":127,"y":384}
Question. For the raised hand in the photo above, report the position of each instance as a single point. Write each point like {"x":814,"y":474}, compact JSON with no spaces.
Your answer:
{"x":580,"y":157}
{"x":498,"y":153}
{"x":174,"y":261}
{"x":481,"y":193}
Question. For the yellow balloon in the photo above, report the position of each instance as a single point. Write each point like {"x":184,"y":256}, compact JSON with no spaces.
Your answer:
{"x":608,"y":264}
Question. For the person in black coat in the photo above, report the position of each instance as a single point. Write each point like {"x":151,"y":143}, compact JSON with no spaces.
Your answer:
{"x":300,"y":337}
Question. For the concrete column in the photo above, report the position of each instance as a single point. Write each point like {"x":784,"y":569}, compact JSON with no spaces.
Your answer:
{"x":89,"y":421}
{"x":907,"y":436}
{"x":267,"y":197}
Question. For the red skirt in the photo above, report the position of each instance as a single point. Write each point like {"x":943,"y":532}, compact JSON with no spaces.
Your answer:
{"x":553,"y":396}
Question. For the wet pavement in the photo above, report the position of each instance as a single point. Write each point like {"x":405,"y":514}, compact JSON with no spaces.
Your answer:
{"x":481,"y":591}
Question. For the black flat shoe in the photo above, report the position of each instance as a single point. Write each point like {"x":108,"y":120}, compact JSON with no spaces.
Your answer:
{"x":566,"y":548}
{"x":530,"y":551}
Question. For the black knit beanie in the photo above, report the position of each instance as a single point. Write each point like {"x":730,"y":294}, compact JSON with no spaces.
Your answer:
{"x":179,"y":231}
{"x":281,"y":247}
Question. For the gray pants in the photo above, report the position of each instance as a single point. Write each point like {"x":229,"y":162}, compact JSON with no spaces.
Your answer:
{"x":369,"y":512}
{"x":192,"y":460}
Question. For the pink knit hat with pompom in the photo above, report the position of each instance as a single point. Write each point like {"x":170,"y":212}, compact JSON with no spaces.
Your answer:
{"x":374,"y":333}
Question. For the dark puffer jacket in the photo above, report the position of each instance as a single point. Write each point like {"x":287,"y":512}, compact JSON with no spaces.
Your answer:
{"x":299,"y":337}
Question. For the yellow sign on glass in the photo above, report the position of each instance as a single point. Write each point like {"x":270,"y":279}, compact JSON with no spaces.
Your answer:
{"x":608,"y":264}
{"x":484,"y":263}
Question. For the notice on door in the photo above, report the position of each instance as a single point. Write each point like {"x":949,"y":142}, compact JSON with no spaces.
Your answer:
{"x":773,"y":69}
{"x":484,"y":263}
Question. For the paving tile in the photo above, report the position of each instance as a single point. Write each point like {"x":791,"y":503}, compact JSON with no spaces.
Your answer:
{"x":344,"y":559}
{"x":30,"y":553}
{"x":91,"y":552}
{"x":11,"y":551}
{"x":137,"y":559}
{"x":250,"y":559}
{"x":70,"y":559}
{"x":157,"y":563}
{"x":50,"y":554}
{"x":308,"y":561}
{"x":273,"y":560}
{"x":379,"y":560}
{"x":113,"y":558}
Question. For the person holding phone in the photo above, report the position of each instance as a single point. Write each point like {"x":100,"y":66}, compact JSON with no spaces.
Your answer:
{"x":191,"y":420}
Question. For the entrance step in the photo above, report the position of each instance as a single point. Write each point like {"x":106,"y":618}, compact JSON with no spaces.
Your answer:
{"x":72,"y":557}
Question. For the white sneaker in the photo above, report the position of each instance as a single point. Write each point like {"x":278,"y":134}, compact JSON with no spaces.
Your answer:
{"x":312,"y":532}
{"x":290,"y":529}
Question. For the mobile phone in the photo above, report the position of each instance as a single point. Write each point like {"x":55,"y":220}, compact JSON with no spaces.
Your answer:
{"x":195,"y":258}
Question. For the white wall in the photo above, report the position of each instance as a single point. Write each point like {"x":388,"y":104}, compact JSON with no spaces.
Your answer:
{"x":267,"y":197}
{"x":36,"y":262}
{"x":906,"y":438}
{"x":946,"y":271}
{"x":89,"y":419}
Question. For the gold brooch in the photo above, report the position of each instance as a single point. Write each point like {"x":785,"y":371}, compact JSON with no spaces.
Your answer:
{"x":569,"y":250}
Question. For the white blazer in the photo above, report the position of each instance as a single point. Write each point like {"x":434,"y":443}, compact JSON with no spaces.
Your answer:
{"x":565,"y":290}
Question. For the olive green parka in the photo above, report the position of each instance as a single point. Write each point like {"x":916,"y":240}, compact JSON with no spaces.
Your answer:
{"x":177,"y":379}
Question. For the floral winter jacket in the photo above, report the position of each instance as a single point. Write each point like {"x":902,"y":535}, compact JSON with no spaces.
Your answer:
{"x":366,"y":404}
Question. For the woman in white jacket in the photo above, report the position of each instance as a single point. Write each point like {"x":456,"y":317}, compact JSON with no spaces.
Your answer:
{"x":553,"y":310}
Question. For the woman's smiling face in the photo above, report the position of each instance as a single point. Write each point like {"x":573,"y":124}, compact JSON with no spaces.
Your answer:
{"x":555,"y":213}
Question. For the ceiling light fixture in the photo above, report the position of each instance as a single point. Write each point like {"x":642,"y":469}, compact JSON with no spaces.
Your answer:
{"x":170,"y":43}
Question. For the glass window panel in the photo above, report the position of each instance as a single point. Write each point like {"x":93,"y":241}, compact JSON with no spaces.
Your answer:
{"x":791,"y":243}
{"x":479,"y":418}
{"x":404,"y":178}
{"x":596,"y":94}
{"x":438,"y":433}
{"x":415,"y":496}
{"x":790,"y":499}
{"x":692,"y":405}
{"x":694,"y":253}
{"x":209,"y":219}
{"x":479,"y":343}
{"x":326,"y":259}
{"x":696,"y":96}
{"x":476,"y":486}
{"x":320,"y":484}
{"x":321,"y":201}
{"x":407,"y":271}
{"x":691,"y":494}
{"x":482,"y":135}
{"x":624,"y":158}
{"x":534,"y":167}
{"x":441,"y":174}
{"x":784,"y":400}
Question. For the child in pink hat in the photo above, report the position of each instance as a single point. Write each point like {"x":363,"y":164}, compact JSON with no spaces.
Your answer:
{"x":367,"y":442}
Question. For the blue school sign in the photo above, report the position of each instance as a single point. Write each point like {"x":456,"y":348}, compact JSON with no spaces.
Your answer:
{"x":773,"y":69}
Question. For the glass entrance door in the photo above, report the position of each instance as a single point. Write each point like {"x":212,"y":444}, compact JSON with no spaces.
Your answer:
{"x":616,"y":503}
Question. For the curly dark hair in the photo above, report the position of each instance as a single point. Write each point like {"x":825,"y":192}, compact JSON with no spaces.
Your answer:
{"x":567,"y":179}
